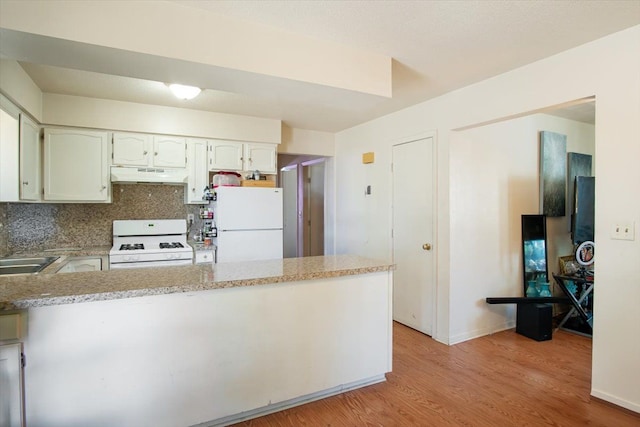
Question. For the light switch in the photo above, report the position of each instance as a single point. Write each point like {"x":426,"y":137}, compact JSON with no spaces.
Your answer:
{"x":623,"y":230}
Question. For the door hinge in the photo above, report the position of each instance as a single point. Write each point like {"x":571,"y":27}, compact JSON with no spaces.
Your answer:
{"x":23,"y":360}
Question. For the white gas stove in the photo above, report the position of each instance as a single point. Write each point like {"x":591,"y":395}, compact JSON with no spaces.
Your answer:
{"x":149,"y":243}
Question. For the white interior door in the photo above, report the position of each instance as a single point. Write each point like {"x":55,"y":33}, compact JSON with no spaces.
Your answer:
{"x":413,"y":238}
{"x":314,"y":209}
{"x":289,"y":181}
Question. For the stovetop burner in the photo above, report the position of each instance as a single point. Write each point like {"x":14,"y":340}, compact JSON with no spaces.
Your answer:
{"x":131,"y":246}
{"x":171,"y":245}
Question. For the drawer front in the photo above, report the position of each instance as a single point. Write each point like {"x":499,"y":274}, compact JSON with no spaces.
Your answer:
{"x":203,"y":257}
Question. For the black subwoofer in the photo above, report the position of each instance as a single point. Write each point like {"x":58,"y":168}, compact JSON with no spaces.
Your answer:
{"x":534,"y":321}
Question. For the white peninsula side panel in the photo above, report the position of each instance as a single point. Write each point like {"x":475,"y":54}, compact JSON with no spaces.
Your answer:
{"x":190,"y":358}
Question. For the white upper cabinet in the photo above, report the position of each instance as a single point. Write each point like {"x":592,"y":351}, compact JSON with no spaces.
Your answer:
{"x":131,"y":149}
{"x":76,"y":165}
{"x":238,"y":156}
{"x":169,"y":151}
{"x":135,"y":149}
{"x":9,"y":155}
{"x":30,"y":166}
{"x":198,"y":172}
{"x":225,"y":155}
{"x":261,"y":157}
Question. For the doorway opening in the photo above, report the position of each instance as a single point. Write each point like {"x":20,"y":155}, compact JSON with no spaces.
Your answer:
{"x":302,"y":179}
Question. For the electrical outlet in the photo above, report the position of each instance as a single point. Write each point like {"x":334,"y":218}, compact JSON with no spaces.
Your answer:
{"x":623,"y":230}
{"x":190,"y":218}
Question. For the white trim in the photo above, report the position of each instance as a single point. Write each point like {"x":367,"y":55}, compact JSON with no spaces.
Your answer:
{"x":635,"y":407}
{"x":477,"y":333}
{"x":277,"y":407}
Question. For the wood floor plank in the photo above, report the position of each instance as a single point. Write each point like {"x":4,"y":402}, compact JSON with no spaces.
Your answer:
{"x":500,"y":380}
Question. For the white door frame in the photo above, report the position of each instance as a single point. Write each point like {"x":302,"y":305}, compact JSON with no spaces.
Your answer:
{"x":434,"y":214}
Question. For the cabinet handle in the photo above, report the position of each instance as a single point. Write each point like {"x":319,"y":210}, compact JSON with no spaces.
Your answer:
{"x":241,"y":158}
{"x":155,"y":154}
{"x":104,"y":187}
{"x":145,"y":152}
{"x":193,"y":190}
{"x":25,"y":182}
{"x":250,"y":161}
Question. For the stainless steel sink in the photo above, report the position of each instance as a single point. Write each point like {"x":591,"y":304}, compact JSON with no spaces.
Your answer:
{"x":25,"y":265}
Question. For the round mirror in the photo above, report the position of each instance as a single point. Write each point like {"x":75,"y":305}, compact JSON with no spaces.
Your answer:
{"x":585,"y":253}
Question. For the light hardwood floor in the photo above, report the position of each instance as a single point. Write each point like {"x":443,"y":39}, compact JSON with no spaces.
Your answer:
{"x":500,"y":380}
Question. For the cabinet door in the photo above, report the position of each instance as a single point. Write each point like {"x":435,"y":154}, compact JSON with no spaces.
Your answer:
{"x":169,"y":152}
{"x":131,"y":149}
{"x":11,"y":384}
{"x":203,"y":257}
{"x":30,"y":182}
{"x":198,"y":172}
{"x":225,"y":155}
{"x":261,"y":157}
{"x":76,"y":165}
{"x":9,"y":156}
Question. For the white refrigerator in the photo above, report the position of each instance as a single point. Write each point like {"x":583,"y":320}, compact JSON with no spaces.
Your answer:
{"x":249,"y":222}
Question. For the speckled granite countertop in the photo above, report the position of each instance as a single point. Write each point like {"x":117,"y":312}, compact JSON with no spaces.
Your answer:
{"x":44,"y":289}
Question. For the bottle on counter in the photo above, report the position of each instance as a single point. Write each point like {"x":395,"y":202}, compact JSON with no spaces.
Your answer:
{"x":214,"y":229}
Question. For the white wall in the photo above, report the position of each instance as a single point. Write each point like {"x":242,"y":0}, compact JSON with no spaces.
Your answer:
{"x":188,"y":358}
{"x":303,"y":141}
{"x":66,"y":110}
{"x":20,"y":89}
{"x":604,"y":68}
{"x":202,"y":37}
{"x":496,"y":181}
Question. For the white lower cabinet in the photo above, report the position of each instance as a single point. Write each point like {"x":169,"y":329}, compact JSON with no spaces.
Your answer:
{"x":11,"y":386}
{"x":76,"y":166}
{"x":205,"y":256}
{"x":82,"y":264}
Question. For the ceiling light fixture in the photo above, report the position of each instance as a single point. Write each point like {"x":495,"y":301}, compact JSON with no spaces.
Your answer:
{"x":183,"y":91}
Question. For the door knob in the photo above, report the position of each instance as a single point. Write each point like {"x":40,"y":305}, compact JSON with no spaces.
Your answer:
{"x":426,"y":246}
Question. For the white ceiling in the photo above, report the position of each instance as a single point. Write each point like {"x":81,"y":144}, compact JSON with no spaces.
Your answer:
{"x":437,"y":46}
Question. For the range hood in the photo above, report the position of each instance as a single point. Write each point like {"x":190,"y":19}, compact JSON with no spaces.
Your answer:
{"x":156,"y":175}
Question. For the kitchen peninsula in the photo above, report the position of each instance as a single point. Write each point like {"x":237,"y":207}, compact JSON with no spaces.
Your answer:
{"x":200,"y":345}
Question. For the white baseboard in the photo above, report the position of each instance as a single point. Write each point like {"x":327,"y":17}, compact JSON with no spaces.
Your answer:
{"x":635,"y":407}
{"x":477,"y":333}
{"x":276,"y":407}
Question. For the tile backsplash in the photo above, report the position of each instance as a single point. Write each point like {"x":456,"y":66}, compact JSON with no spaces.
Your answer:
{"x":32,"y":227}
